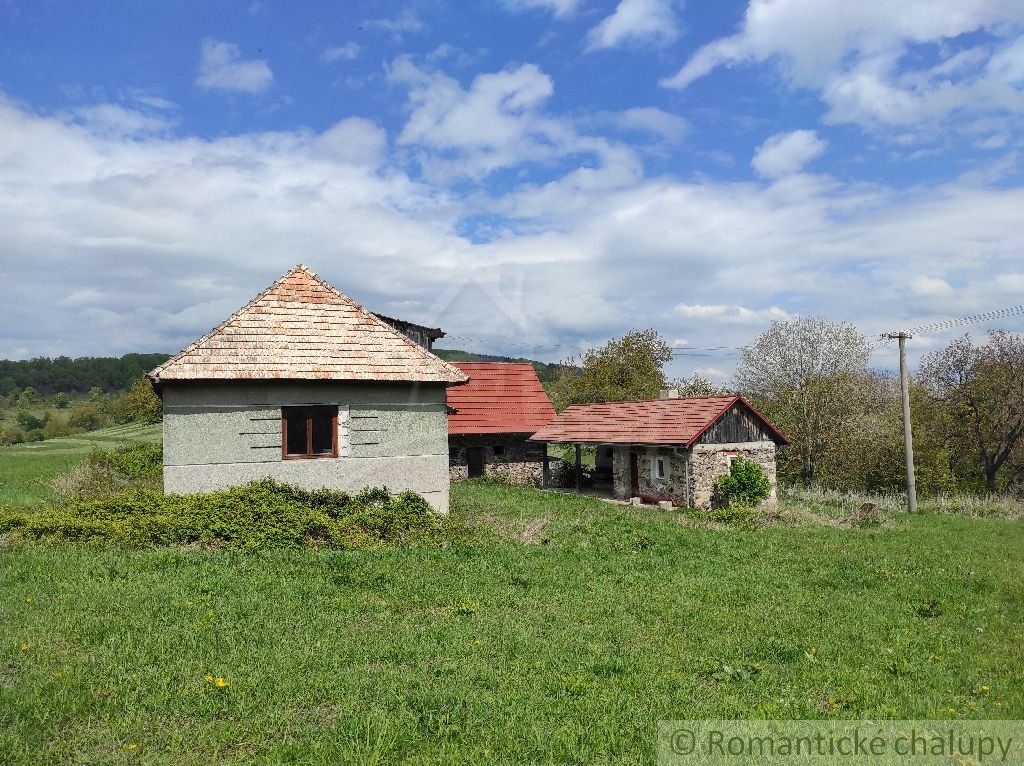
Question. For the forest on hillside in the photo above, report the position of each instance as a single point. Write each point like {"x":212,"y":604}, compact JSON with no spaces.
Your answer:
{"x":75,"y":376}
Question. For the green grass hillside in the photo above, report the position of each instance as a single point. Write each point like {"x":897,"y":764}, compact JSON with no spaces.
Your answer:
{"x":552,"y":629}
{"x":27,"y":469}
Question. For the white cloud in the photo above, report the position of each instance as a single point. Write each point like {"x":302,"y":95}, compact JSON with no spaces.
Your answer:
{"x":557,"y":7}
{"x":787,"y":153}
{"x":222,"y":67}
{"x":114,"y":119}
{"x":116,"y":242}
{"x":650,"y":119}
{"x":651,"y":22}
{"x":931,"y":287}
{"x":730,"y":314}
{"x":346,"y":52}
{"x":405,"y":23}
{"x":854,"y":55}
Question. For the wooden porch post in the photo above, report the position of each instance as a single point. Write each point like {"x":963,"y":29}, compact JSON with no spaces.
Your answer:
{"x":547,"y":469}
{"x":579,"y":470}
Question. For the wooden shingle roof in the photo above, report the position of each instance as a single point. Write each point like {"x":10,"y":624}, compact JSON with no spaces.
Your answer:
{"x":660,"y":421}
{"x":500,"y":397}
{"x":301,"y":328}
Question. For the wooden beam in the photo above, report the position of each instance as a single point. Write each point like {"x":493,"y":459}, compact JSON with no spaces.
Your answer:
{"x":579,"y":469}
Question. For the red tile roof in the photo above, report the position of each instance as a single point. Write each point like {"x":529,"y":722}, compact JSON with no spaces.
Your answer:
{"x":301,"y":328}
{"x":661,"y":421}
{"x":499,"y":398}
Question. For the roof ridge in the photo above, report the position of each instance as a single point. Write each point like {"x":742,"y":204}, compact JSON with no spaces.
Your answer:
{"x":155,"y":372}
{"x":433,"y":362}
{"x":417,"y":348}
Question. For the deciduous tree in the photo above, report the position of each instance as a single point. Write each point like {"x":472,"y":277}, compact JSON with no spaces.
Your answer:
{"x":981,"y":389}
{"x":629,"y":368}
{"x":804,"y":374}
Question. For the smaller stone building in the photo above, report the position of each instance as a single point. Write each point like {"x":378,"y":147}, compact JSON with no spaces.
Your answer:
{"x":672,"y":448}
{"x":490,"y":419}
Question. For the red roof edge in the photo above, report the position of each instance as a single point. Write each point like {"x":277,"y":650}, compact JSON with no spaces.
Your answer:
{"x":739,"y":398}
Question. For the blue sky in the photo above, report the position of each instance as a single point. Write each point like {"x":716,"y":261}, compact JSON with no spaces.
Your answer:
{"x":533,"y":175}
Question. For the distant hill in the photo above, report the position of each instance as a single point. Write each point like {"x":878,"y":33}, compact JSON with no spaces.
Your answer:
{"x":545,"y":370}
{"x":113,"y":373}
{"x":49,"y":376}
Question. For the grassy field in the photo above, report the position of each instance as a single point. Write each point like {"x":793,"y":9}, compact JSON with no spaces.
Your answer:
{"x":557,"y":629}
{"x":26,"y":469}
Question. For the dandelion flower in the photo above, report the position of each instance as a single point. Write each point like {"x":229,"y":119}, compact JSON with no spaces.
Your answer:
{"x":28,"y":599}
{"x":813,"y":650}
{"x":208,"y":678}
{"x":24,"y":647}
{"x":219,"y":682}
{"x":131,"y":746}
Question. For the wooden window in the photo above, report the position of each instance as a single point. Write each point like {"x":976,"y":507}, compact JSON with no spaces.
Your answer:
{"x":309,"y":432}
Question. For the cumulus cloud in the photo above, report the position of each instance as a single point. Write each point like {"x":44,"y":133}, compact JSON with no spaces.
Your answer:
{"x":931,"y":287}
{"x":119,"y":241}
{"x":222,"y":67}
{"x":650,"y":22}
{"x":732,"y":314}
{"x":650,"y":119}
{"x":855,"y":56}
{"x":405,"y":23}
{"x":346,"y":52}
{"x":786,"y":153}
{"x":557,"y":7}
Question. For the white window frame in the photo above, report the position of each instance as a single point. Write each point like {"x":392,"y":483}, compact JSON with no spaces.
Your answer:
{"x":665,"y":463}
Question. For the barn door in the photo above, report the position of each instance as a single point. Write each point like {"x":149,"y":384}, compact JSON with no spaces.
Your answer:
{"x":475,"y":461}
{"x":634,"y":475}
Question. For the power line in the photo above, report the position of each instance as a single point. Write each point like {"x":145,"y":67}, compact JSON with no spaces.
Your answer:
{"x":983,"y":317}
{"x":706,"y":351}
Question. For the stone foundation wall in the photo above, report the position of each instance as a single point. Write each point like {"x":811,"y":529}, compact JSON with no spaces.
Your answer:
{"x":521,"y":463}
{"x":707,"y":463}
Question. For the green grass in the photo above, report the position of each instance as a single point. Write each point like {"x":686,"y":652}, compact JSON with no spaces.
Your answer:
{"x":561,"y":631}
{"x":27,"y":469}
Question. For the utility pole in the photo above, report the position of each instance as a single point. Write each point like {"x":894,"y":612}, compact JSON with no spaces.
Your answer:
{"x":908,"y":439}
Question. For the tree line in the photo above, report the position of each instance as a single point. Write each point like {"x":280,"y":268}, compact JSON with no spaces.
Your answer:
{"x":75,"y":376}
{"x":812,"y":379}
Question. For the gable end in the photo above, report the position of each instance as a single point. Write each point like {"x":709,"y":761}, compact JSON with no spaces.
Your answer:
{"x":736,"y":425}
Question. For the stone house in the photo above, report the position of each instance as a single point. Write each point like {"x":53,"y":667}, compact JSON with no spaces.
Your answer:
{"x":490,"y":419}
{"x":671,"y":448}
{"x":304,"y":386}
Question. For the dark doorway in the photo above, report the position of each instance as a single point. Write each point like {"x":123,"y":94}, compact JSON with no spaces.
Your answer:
{"x":634,"y":475}
{"x":475,"y":461}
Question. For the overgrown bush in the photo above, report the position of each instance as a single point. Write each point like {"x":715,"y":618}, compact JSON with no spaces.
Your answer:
{"x":745,"y":484}
{"x":137,"y":405}
{"x":106,"y":472}
{"x":260,"y":514}
{"x":85,"y":416}
{"x":31,"y":422}
{"x":11,"y":435}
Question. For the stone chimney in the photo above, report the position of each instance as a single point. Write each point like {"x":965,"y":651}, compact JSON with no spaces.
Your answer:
{"x":669,"y":393}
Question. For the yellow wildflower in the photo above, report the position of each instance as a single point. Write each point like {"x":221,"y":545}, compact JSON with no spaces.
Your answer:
{"x":219,"y":682}
{"x":131,"y":746}
{"x":28,"y":599}
{"x":208,"y":678}
{"x":24,"y":647}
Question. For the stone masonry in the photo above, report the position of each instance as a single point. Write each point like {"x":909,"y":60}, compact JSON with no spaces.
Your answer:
{"x":707,"y":463}
{"x":521,"y":463}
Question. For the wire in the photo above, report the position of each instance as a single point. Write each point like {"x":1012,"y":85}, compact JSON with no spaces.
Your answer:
{"x":708,"y":351}
{"x":983,"y":317}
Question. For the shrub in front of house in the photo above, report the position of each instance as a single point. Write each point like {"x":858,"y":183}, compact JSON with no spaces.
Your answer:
{"x":106,"y":472}
{"x":260,"y":514}
{"x":745,"y":484}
